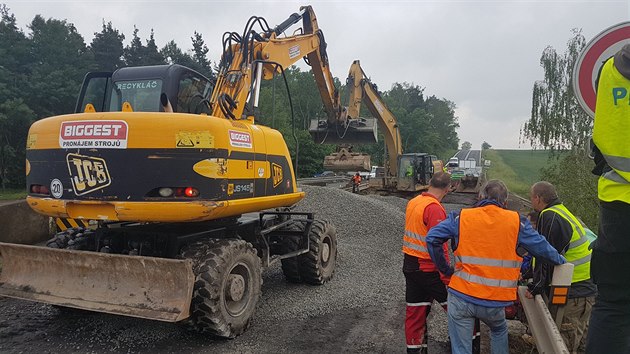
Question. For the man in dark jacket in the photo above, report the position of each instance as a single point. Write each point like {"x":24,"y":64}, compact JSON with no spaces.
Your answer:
{"x":566,"y":234}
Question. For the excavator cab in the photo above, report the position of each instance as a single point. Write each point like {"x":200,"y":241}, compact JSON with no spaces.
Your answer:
{"x":414,"y":171}
{"x":159,"y":88}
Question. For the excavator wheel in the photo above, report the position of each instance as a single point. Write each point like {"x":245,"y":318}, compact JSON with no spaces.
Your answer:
{"x":291,"y":266}
{"x":227,"y":286}
{"x":75,"y":238}
{"x":318,"y":265}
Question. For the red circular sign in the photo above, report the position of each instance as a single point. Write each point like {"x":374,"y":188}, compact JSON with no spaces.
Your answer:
{"x":596,"y":52}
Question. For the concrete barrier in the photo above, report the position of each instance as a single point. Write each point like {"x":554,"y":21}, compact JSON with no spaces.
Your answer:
{"x":20,"y":224}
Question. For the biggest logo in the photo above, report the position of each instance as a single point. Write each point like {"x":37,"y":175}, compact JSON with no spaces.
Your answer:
{"x":104,"y":134}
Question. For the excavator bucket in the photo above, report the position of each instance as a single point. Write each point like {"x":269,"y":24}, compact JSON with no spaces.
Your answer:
{"x":469,"y":184}
{"x":358,"y":131}
{"x":146,"y":287}
{"x":347,"y":161}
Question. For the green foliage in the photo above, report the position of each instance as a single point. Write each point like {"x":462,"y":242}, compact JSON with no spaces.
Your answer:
{"x":137,"y":54}
{"x":426,"y":125}
{"x":15,"y":119}
{"x":576,"y":186}
{"x":485,"y":146}
{"x":12,"y":194}
{"x":466,"y":145}
{"x":107,"y":48}
{"x":60,"y":59}
{"x":557,"y":121}
{"x":200,"y":56}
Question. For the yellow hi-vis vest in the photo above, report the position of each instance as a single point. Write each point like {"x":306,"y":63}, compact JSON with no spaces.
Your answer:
{"x":578,"y":252}
{"x":611,"y":133}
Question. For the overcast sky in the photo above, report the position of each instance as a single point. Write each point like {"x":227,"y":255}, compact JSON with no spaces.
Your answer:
{"x":482,"y":55}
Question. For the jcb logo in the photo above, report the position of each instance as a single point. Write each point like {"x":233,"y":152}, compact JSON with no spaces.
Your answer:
{"x":87,"y":173}
{"x":276,"y":174}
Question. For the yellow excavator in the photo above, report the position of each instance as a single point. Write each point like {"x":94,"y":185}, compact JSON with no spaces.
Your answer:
{"x":409,"y":172}
{"x":191,"y":196}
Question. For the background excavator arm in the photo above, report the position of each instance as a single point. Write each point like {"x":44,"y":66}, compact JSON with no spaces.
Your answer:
{"x":361,"y":89}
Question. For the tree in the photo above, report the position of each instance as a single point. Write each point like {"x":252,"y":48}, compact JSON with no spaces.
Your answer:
{"x":60,"y":61}
{"x":466,"y":145}
{"x":557,"y":121}
{"x":200,"y":56}
{"x":107,"y":47}
{"x":15,"y":119}
{"x":134,"y":52}
{"x":15,"y":57}
{"x":485,"y":146}
{"x":174,"y":55}
{"x":426,"y":124}
{"x":151,"y":54}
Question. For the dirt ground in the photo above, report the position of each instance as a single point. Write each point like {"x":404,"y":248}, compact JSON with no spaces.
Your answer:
{"x":360,"y":311}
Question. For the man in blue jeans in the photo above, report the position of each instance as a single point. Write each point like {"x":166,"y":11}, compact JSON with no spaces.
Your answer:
{"x":487,"y":265}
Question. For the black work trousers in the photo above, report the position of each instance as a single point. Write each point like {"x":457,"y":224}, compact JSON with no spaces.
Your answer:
{"x":609,"y":327}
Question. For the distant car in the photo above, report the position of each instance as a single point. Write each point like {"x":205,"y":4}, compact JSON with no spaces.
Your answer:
{"x":453,"y":162}
{"x":324,"y":174}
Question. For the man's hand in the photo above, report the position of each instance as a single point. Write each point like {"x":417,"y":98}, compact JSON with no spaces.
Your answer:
{"x":528,"y":294}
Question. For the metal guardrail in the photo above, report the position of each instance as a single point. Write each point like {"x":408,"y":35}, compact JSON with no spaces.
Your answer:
{"x":543,"y":327}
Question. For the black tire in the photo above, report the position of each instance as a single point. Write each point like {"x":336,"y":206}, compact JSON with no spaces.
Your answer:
{"x":76,"y":238}
{"x":291,"y":266}
{"x":318,"y":265}
{"x":227,"y":286}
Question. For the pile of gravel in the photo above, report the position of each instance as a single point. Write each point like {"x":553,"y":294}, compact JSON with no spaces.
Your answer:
{"x":368,"y":279}
{"x":369,"y":268}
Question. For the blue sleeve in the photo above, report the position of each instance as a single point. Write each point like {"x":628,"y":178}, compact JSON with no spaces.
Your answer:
{"x":440,"y":233}
{"x":536,"y":244}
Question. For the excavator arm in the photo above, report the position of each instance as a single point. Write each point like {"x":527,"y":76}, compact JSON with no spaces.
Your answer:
{"x":251,"y":57}
{"x":361,"y":89}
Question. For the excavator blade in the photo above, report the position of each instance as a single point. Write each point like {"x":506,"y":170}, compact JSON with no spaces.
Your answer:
{"x":469,"y":184}
{"x":360,"y":131}
{"x":146,"y":287}
{"x":349,"y":162}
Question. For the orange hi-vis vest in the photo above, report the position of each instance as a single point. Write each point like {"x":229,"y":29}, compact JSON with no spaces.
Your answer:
{"x":486,"y":264}
{"x":414,"y":239}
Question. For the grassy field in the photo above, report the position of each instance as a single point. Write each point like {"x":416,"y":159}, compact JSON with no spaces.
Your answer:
{"x":11,"y":194}
{"x":519,"y":169}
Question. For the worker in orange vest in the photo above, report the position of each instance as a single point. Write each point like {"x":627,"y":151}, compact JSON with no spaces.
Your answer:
{"x":423,"y":282}
{"x":483,"y":282}
{"x":356,"y":181}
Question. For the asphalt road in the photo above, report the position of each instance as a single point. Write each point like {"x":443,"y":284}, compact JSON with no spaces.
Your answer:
{"x":469,"y":154}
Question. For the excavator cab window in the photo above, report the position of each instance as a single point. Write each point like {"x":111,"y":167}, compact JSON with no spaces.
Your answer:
{"x":143,"y":95}
{"x":193,"y":94}
{"x":94,"y":91}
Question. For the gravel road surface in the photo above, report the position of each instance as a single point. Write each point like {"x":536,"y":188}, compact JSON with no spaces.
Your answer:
{"x":360,"y":310}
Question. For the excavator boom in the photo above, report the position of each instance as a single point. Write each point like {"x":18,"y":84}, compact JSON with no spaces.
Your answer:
{"x":362,"y":90}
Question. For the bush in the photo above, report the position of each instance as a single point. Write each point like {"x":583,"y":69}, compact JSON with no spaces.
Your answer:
{"x":576,"y":185}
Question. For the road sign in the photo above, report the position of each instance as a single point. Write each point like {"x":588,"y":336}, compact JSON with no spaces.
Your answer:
{"x":596,"y":52}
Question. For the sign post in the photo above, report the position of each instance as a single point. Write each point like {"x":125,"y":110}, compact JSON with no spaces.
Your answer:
{"x":596,"y":52}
